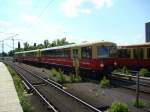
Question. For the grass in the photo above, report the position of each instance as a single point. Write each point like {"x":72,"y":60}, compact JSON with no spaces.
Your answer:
{"x":75,"y":78}
{"x":62,"y":78}
{"x":24,"y":101}
{"x":118,"y":107}
{"x":144,"y":72}
{"x":142,"y":104}
{"x":123,"y":70}
{"x":54,"y":72}
{"x":104,"y":82}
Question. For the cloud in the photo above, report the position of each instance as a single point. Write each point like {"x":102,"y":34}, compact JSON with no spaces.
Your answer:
{"x":28,"y":18}
{"x":72,"y":8}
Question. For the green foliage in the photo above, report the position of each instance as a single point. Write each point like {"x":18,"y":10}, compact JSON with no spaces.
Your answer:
{"x":45,"y":44}
{"x":144,"y":72}
{"x":141,"y":103}
{"x":62,"y":78}
{"x":25,"y":103}
{"x":54,"y":72}
{"x":118,"y":107}
{"x":20,"y":90}
{"x":123,"y":70}
{"x":104,"y":82}
{"x":75,"y":78}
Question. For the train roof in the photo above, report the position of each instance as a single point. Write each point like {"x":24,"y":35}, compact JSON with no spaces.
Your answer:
{"x":27,"y":51}
{"x":147,"y":44}
{"x":68,"y":46}
{"x":58,"y":47}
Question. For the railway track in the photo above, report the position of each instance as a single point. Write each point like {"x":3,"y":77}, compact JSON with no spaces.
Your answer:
{"x":130,"y":83}
{"x":52,"y":93}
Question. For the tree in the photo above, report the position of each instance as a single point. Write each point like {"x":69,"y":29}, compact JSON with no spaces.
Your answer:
{"x":19,"y":46}
{"x":46,"y":43}
{"x":34,"y":45}
{"x":26,"y":46}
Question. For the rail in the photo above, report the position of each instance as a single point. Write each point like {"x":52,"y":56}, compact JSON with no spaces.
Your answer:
{"x":42,"y":97}
{"x":60,"y":87}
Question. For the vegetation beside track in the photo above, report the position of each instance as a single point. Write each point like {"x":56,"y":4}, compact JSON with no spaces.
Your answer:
{"x":143,"y":72}
{"x":24,"y":101}
{"x":118,"y":107}
{"x":104,"y":82}
{"x":141,"y":103}
{"x":62,"y":78}
{"x":124,"y":71}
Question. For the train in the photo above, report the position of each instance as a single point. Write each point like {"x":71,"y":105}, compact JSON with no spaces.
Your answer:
{"x":134,"y":56}
{"x":93,"y":58}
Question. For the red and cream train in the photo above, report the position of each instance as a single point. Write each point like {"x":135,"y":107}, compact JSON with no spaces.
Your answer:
{"x":92,"y":57}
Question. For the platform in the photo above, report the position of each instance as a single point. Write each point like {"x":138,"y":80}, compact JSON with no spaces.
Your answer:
{"x":9,"y":101}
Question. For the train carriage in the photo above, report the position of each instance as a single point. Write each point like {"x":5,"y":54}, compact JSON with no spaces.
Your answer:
{"x":134,"y":56}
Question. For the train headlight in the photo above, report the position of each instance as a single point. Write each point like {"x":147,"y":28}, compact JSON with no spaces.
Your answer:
{"x":115,"y":63}
{"x":101,"y":65}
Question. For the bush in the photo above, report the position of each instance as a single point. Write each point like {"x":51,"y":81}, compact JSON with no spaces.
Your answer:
{"x":54,"y":72}
{"x":118,"y":107}
{"x":123,"y":70}
{"x":141,"y":103}
{"x":144,"y":72}
{"x":62,"y":78}
{"x":104,"y":82}
{"x":75,"y":78}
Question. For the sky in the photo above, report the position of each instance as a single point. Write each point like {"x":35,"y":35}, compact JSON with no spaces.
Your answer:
{"x":119,"y":21}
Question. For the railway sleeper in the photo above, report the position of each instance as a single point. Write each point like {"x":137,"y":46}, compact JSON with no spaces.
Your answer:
{"x":39,"y":84}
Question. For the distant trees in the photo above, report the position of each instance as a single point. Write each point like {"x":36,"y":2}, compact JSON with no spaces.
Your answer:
{"x":26,"y":46}
{"x":45,"y":44}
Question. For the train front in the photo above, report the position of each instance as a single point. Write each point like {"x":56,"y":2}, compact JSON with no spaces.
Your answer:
{"x":105,"y":55}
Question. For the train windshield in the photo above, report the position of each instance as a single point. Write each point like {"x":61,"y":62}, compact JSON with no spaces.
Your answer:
{"x":106,"y":51}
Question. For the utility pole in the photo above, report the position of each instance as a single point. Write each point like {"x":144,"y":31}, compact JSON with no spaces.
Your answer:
{"x":13,"y":41}
{"x":2,"y":49}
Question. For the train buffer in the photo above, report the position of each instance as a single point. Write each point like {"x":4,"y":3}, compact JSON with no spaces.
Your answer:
{"x":8,"y":95}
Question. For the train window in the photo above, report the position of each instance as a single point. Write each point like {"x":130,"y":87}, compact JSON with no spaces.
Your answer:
{"x":148,"y":52}
{"x":124,"y":53}
{"x":86,"y":52}
{"x":138,"y":53}
{"x":102,"y":51}
{"x":67,"y":53}
{"x":112,"y":51}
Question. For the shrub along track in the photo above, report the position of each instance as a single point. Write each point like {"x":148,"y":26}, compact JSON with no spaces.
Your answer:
{"x":52,"y":93}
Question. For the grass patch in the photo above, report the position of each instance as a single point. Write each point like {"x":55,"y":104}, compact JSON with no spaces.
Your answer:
{"x":75,"y":78}
{"x":104,"y":82}
{"x":54,"y":72}
{"x":118,"y":107}
{"x":124,"y":71}
{"x":144,"y":72}
{"x":62,"y":78}
{"x":24,"y":101}
{"x":142,"y":104}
